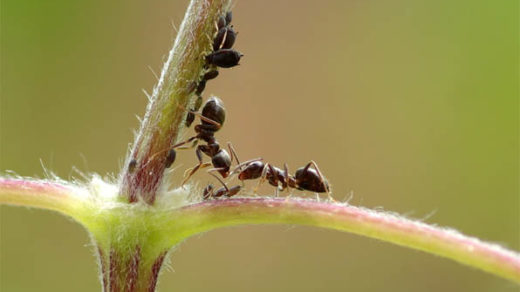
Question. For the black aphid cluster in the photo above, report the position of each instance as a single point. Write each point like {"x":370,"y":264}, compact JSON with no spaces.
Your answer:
{"x":212,"y":118}
{"x":222,"y":56}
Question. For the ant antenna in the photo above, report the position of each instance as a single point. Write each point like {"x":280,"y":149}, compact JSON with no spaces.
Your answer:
{"x":227,"y":190}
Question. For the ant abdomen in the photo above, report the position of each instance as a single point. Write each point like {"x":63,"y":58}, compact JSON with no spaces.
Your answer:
{"x":221,"y":162}
{"x":309,"y":180}
{"x":214,"y":110}
{"x":252,"y":171}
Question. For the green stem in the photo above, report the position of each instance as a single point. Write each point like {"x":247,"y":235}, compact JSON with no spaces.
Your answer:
{"x":174,"y":93}
{"x":130,"y":232}
{"x":57,"y":196}
{"x":387,"y":227}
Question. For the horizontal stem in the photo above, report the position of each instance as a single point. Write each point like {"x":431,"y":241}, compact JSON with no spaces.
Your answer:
{"x":387,"y":227}
{"x":44,"y":194}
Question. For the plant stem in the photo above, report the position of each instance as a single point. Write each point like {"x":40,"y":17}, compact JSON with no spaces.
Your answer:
{"x":50,"y":195}
{"x":387,"y":227}
{"x":126,"y":233}
{"x":172,"y":96}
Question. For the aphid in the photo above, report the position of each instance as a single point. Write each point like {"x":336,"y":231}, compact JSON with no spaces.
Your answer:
{"x":189,"y":119}
{"x":230,"y":38}
{"x":170,"y":158}
{"x":210,"y":75}
{"x":305,"y":178}
{"x":221,"y":22}
{"x":191,"y":116}
{"x":229,"y":17}
{"x":200,"y":87}
{"x":224,"y":39}
{"x":225,"y":58}
{"x":131,"y":166}
{"x":219,"y":38}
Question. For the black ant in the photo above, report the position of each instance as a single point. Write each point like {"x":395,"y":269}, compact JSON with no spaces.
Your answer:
{"x":212,"y":118}
{"x":305,"y":178}
{"x":209,"y":191}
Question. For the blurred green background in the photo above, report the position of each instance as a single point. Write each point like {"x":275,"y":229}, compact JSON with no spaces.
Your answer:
{"x":410,"y":106}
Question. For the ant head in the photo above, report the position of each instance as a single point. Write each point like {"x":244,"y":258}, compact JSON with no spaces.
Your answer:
{"x":214,"y":110}
{"x":252,"y":171}
{"x":208,"y":190}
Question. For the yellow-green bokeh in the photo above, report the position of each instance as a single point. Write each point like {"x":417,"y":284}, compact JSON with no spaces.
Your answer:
{"x":411,"y":106}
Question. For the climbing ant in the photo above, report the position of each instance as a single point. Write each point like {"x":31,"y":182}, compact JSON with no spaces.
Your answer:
{"x":212,"y":118}
{"x":305,"y":178}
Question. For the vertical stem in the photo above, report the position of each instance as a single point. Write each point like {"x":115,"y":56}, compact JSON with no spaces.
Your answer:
{"x":166,"y":111}
{"x":134,"y":270}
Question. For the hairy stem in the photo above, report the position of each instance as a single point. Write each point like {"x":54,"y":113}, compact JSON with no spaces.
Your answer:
{"x":387,"y":227}
{"x":166,"y":111}
{"x":43,"y":194}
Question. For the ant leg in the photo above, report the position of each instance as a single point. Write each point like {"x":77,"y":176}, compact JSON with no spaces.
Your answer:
{"x":313,"y":163}
{"x":193,"y":145}
{"x":184,"y":142}
{"x":225,"y":186}
{"x":274,"y":175}
{"x":233,"y":153}
{"x":239,"y":166}
{"x":203,"y":118}
{"x":262,"y":177}
{"x":286,"y":177}
{"x":201,"y":164}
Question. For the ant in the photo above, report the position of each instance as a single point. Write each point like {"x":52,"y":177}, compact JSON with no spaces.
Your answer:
{"x":212,"y":118}
{"x":224,"y":191}
{"x":305,"y":178}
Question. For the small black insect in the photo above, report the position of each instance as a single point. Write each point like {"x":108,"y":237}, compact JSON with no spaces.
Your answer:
{"x":229,"y":39}
{"x":225,"y":58}
{"x":225,"y":38}
{"x":229,"y":17}
{"x":189,"y":119}
{"x":132,"y":165}
{"x":210,"y":75}
{"x":221,"y":22}
{"x":170,"y":158}
{"x":219,"y":38}
{"x":201,"y":87}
